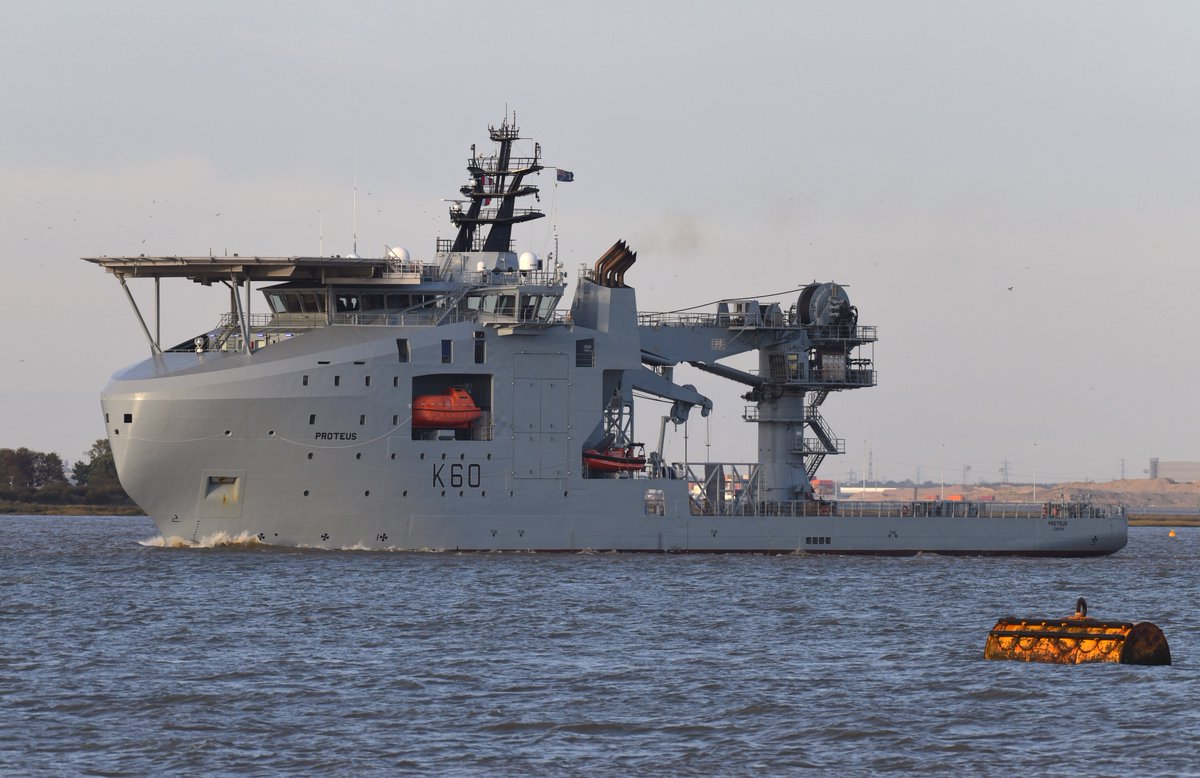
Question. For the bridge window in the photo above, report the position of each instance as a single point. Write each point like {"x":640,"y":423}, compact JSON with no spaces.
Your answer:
{"x":313,"y":302}
{"x":529,"y":306}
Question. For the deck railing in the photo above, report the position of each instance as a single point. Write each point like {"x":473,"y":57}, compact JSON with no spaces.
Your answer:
{"x":917,"y":508}
{"x":824,"y":333}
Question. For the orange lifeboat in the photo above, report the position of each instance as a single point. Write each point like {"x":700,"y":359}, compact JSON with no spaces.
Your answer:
{"x":615,"y":459}
{"x":453,"y":410}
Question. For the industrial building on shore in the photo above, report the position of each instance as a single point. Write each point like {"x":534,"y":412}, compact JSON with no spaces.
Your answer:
{"x":1180,"y":472}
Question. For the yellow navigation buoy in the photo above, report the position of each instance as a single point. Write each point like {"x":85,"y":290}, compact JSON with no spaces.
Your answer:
{"x":1171,"y":534}
{"x":1077,"y":640}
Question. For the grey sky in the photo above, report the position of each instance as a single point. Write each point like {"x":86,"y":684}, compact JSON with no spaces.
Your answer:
{"x":929,"y":155}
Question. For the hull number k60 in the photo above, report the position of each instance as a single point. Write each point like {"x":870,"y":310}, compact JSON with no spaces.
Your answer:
{"x":457,"y":475}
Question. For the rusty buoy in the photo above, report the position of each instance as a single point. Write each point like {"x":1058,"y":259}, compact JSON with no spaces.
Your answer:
{"x":1076,"y":640}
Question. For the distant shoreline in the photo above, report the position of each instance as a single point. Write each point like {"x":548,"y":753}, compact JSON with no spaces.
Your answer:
{"x":1164,"y":520}
{"x":1136,"y":519}
{"x":38,"y":509}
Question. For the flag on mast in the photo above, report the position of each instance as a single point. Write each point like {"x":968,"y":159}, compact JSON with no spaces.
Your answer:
{"x":564,"y":175}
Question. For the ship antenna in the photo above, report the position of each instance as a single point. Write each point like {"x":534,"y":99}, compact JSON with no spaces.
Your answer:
{"x":354,"y":226}
{"x":321,"y":227}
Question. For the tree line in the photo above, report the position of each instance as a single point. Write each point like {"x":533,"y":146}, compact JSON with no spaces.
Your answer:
{"x":39,"y":477}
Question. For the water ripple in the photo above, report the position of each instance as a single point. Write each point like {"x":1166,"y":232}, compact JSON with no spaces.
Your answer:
{"x":120,"y":656}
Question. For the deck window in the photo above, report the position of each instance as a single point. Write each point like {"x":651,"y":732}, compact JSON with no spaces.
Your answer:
{"x":402,"y":350}
{"x":585,"y":352}
{"x":447,"y":352}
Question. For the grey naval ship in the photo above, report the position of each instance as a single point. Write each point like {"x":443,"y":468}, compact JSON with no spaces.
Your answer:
{"x":453,"y":404}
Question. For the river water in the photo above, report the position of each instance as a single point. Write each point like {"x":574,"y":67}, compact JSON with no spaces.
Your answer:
{"x":122,"y":657}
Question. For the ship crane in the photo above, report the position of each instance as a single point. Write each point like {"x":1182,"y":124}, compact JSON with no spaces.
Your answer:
{"x":804,"y":354}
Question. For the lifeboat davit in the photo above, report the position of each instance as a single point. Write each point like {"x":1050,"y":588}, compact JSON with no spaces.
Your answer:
{"x":615,"y":459}
{"x":452,"y":410}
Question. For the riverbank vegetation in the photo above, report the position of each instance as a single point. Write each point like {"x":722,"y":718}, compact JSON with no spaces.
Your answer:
{"x":36,"y":482}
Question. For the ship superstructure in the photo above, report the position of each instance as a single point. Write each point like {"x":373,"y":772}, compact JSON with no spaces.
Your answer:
{"x":455,"y":404}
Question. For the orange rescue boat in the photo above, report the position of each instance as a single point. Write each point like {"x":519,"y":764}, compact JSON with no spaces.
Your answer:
{"x":452,"y":410}
{"x":615,"y":459}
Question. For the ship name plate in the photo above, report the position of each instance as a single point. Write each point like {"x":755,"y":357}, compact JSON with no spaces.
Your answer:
{"x":336,"y":436}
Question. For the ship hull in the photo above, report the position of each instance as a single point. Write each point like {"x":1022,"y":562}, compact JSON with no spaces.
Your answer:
{"x":269,"y":448}
{"x":489,"y":532}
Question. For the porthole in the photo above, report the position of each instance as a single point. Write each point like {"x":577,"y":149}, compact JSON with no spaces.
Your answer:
{"x":489,"y":456}
{"x":564,"y":494}
{"x":462,"y":456}
{"x":310,"y":455}
{"x":460,"y":492}
{"x":367,"y":493}
{"x":271,"y":433}
{"x":443,"y":456}
{"x":443,"y":492}
{"x":404,"y":493}
{"x":228,"y":433}
{"x":422,"y":455}
{"x":483,"y":493}
{"x":393,"y":455}
{"x":305,"y":492}
{"x":358,"y":455}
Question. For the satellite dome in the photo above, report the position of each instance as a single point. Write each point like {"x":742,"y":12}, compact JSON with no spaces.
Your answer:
{"x":527,"y":261}
{"x":398,"y":252}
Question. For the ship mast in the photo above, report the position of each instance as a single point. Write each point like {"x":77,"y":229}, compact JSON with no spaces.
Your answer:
{"x":498,"y":177}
